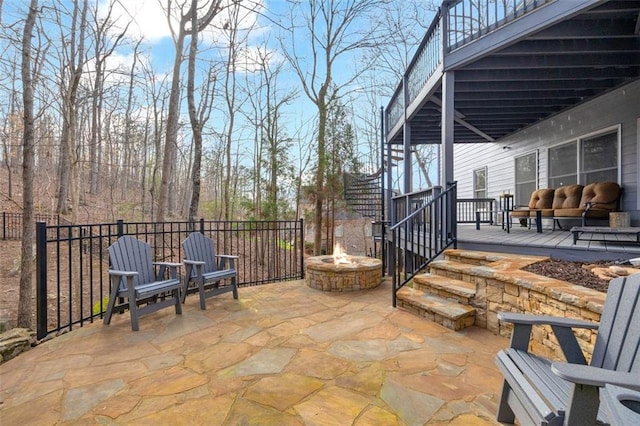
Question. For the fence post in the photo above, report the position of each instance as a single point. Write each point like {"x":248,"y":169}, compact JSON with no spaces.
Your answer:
{"x":302,"y":246}
{"x":202,"y":225}
{"x":120,"y":228}
{"x":41,"y":280}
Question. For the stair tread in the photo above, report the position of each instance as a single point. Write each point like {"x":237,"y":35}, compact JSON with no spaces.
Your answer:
{"x":451,"y":285}
{"x":452,"y":265}
{"x":447,"y":308}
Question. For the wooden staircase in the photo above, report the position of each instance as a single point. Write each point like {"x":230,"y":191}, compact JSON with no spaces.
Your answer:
{"x":448,"y":293}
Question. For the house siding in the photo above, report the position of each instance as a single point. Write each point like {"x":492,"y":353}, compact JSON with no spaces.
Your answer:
{"x":618,"y":107}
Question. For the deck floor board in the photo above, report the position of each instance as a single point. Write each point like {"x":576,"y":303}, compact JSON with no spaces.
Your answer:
{"x":557,"y":244}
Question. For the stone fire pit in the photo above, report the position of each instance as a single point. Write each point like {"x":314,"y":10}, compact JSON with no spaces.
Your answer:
{"x":360,"y":273}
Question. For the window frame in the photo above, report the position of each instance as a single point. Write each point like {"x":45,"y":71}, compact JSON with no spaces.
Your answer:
{"x":618,"y":130}
{"x":577,"y":152}
{"x":475,"y":180}
{"x":536,"y":153}
{"x":578,"y":147}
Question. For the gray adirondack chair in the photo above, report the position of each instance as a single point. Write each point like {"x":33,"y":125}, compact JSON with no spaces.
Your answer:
{"x":205,"y":270}
{"x":538,"y":391}
{"x":133,"y":276}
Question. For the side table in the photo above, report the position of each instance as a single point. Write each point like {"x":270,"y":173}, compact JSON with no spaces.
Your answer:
{"x":505,"y":208}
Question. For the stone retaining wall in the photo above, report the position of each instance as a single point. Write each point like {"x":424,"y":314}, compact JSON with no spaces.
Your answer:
{"x":502,"y":286}
{"x":559,"y":299}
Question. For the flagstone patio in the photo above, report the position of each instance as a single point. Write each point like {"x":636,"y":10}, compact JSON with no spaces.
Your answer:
{"x":283,"y":354}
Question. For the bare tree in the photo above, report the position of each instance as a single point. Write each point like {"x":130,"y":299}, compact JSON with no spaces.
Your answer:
{"x":103,"y":50}
{"x":71,"y":71}
{"x":171,"y":139}
{"x":197,"y":116}
{"x":332,"y":31}
{"x":28,"y":166}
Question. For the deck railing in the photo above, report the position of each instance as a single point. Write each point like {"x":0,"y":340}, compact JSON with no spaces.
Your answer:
{"x":422,"y":66}
{"x":72,"y":261}
{"x":421,"y":235}
{"x":466,"y":21}
{"x":469,"y":20}
{"x":476,"y":210}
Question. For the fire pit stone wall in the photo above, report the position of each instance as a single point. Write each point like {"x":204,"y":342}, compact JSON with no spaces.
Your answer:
{"x":362,"y":273}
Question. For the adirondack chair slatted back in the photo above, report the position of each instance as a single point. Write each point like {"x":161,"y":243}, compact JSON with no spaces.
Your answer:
{"x":131,"y":254}
{"x":618,"y":339}
{"x":198,"y":247}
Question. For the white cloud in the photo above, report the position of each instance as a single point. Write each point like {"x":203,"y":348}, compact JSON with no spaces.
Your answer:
{"x":147,"y":18}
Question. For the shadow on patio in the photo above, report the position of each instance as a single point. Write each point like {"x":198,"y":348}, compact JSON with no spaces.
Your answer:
{"x":282,"y":354}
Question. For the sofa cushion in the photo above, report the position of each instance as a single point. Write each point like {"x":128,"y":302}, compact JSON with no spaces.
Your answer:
{"x":567,"y":197}
{"x":604,"y":195}
{"x":541,"y":199}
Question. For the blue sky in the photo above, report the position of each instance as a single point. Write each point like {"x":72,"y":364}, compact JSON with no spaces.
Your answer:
{"x":148,"y":20}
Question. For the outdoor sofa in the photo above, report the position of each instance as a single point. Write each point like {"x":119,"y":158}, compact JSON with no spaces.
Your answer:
{"x":572,"y":202}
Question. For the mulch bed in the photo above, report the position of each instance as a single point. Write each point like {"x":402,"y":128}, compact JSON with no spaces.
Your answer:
{"x":573,"y":272}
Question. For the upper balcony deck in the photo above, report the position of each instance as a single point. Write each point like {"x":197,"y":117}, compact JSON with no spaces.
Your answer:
{"x":516,"y":62}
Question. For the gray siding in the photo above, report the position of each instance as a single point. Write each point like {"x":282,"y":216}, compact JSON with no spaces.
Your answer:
{"x":618,"y":107}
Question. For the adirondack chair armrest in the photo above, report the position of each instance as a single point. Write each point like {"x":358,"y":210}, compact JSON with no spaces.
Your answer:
{"x":528,"y":319}
{"x":594,"y":376}
{"x":122,"y":273}
{"x":173,"y":269}
{"x":193,"y":267}
{"x":168,"y":264}
{"x":194,"y":262}
{"x":562,"y":328}
{"x":226,"y":258}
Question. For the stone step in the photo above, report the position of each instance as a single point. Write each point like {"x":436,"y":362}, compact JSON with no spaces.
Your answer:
{"x":472,"y":257}
{"x":480,"y":258}
{"x":445,"y":287}
{"x":456,"y":270}
{"x":450,"y":314}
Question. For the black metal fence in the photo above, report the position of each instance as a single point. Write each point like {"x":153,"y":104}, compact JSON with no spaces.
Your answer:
{"x":12,"y":224}
{"x":72,"y":260}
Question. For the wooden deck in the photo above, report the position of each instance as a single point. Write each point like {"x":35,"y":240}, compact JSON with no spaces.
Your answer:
{"x":557,"y":244}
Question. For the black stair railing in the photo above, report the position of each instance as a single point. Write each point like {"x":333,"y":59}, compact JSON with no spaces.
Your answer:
{"x":363,"y":193}
{"x":425,"y":225}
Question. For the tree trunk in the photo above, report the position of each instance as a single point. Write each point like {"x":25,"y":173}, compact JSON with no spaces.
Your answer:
{"x":320,"y":172}
{"x":170,"y":146}
{"x":28,"y":166}
{"x":67,"y":143}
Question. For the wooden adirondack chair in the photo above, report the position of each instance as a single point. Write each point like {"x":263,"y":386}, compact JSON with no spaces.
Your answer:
{"x":538,"y":391}
{"x":205,"y":270}
{"x":133,"y":276}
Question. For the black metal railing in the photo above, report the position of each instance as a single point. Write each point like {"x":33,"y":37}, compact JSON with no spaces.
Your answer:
{"x":363,"y":193}
{"x":72,"y":260}
{"x":422,"y":234}
{"x":12,"y":224}
{"x":469,"y":20}
{"x":466,"y":21}
{"x":476,"y":210}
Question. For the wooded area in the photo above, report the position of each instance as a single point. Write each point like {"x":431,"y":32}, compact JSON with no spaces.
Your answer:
{"x":256,"y":113}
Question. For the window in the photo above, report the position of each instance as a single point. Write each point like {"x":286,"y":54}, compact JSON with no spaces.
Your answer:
{"x":599,"y":159}
{"x":592,"y":158}
{"x":526,"y":177}
{"x":563,"y":162}
{"x":480,"y":183}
